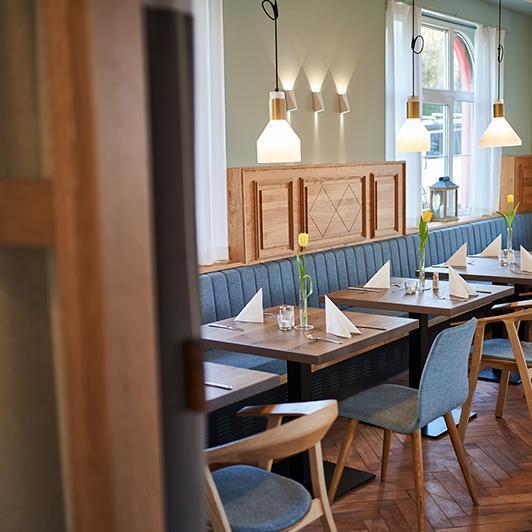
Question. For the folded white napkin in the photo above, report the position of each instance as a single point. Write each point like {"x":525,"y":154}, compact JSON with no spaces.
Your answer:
{"x":493,"y":249}
{"x":336,"y":322}
{"x":381,"y":279}
{"x":459,"y":258}
{"x":253,"y":311}
{"x":457,"y":286}
{"x":526,"y":260}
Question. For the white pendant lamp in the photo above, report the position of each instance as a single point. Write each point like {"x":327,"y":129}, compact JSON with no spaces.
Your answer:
{"x":413,"y":135}
{"x":278,"y":142}
{"x":499,"y":132}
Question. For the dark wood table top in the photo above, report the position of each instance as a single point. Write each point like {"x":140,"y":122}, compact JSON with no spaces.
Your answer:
{"x":427,"y":302}
{"x":245,"y":383}
{"x":487,"y":269}
{"x":267,"y":340}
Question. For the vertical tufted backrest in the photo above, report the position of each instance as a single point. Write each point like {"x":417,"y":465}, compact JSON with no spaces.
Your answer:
{"x":223,"y":294}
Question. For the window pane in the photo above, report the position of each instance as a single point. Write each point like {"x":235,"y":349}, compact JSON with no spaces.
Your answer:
{"x":462,"y":149}
{"x":463,"y":64}
{"x":434,"y":59}
{"x":435,"y":160}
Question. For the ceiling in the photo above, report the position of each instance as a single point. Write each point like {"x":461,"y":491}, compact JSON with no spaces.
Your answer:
{"x":522,"y":6}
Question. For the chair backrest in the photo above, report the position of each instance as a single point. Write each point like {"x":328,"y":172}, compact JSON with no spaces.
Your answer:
{"x":280,"y":442}
{"x":444,"y":383}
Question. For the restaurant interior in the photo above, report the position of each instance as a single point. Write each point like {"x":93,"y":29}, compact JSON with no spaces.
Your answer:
{"x":265,"y":265}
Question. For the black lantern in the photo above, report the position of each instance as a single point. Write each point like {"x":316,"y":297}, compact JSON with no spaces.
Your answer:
{"x":444,"y":200}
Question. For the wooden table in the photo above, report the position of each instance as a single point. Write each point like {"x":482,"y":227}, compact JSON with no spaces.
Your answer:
{"x":419,"y":306}
{"x":301,"y":354}
{"x":489,"y":270}
{"x":244,"y":383}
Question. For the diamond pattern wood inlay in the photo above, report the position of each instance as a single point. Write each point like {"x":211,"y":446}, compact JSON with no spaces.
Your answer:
{"x":334,"y":209}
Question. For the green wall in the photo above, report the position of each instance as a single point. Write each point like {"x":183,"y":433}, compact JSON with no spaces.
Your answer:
{"x":338,"y":42}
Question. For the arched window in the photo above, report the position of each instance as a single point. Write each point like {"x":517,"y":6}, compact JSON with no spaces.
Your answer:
{"x":448,"y":99}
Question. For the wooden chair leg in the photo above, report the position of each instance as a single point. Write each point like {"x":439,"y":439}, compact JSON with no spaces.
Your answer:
{"x":501,"y":397}
{"x":385,"y":453}
{"x":318,"y":487}
{"x":474,"y":370}
{"x":417,"y":455}
{"x":460,"y":455}
{"x":521,"y":365}
{"x":342,"y":458}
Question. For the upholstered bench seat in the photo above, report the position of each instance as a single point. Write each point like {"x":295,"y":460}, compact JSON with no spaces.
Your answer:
{"x":223,"y":294}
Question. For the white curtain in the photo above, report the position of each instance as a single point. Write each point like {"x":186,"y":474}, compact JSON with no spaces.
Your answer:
{"x":398,"y":89}
{"x":486,"y":162}
{"x":211,"y":187}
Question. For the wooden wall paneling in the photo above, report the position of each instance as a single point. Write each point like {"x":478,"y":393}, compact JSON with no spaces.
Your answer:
{"x":523,"y":181}
{"x":387,"y":202}
{"x":106,"y":366}
{"x":507,"y":180}
{"x":334,"y":211}
{"x":235,"y":213}
{"x":269,"y":206}
{"x":26,"y":212}
{"x":271,"y":209}
{"x":516,"y":179}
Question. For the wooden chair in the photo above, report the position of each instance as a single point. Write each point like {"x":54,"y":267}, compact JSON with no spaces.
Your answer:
{"x":443,"y":387}
{"x":507,"y":354}
{"x":246,"y":497}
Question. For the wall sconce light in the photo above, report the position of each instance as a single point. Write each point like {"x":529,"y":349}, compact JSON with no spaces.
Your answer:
{"x":291,"y":101}
{"x":343,"y":103}
{"x":317,"y":102}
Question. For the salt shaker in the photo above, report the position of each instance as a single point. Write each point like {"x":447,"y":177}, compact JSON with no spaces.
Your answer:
{"x":436,"y":281}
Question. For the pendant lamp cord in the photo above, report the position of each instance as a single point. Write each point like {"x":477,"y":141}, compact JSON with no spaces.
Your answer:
{"x":414,"y":43}
{"x":274,"y":15}
{"x":500,"y":54}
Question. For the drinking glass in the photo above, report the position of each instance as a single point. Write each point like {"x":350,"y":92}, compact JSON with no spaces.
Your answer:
{"x":285,"y":318}
{"x":410,"y":286}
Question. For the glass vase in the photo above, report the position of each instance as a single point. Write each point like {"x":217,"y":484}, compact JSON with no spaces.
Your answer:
{"x":304,"y":293}
{"x":421,"y":271}
{"x":509,"y":240}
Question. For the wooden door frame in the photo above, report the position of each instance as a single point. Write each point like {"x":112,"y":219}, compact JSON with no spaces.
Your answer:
{"x":108,"y":388}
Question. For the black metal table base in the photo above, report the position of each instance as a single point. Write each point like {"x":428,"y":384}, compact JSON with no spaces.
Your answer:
{"x":438,"y":428}
{"x":351,"y":478}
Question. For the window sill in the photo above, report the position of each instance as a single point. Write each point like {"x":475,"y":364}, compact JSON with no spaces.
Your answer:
{"x":461,"y":221}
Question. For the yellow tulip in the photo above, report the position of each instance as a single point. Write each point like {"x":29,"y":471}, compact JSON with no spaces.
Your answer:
{"x":510,"y":199}
{"x":302,"y":240}
{"x":427,"y":216}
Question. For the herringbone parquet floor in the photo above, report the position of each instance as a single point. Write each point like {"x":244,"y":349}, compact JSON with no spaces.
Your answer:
{"x":500,"y":454}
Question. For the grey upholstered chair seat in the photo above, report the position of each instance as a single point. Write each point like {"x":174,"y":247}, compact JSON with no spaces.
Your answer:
{"x":241,"y":360}
{"x":256,"y":500}
{"x":389,"y":406}
{"x":443,"y":387}
{"x":502,"y":349}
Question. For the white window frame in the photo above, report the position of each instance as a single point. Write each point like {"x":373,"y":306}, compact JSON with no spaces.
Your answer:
{"x":449,"y":96}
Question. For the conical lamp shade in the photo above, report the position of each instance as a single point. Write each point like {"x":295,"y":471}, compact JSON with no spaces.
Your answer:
{"x":278,"y":142}
{"x":499,"y":133}
{"x":413,"y":135}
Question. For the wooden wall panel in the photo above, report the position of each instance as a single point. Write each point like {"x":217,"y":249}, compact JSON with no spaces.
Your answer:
{"x":337,"y":204}
{"x":334,"y":210}
{"x":271,"y":209}
{"x":516,"y":179}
